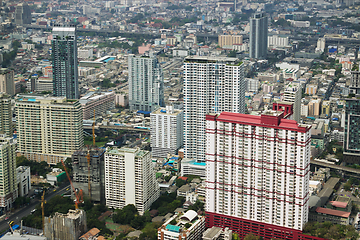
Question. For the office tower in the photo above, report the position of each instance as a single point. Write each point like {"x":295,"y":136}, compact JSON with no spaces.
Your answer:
{"x":352,"y":131}
{"x":7,"y":84}
{"x":355,"y":82}
{"x":211,"y":85}
{"x":49,"y":128}
{"x":6,"y":126}
{"x":146,"y":83}
{"x":65,"y":63}
{"x":81,"y":168}
{"x":70,"y":226}
{"x":257,"y":173}
{"x":22,"y":14}
{"x":229,"y":40}
{"x":293,"y":94}
{"x":8,"y":188}
{"x":167,"y":129}
{"x":258,"y":36}
{"x":130,"y":179}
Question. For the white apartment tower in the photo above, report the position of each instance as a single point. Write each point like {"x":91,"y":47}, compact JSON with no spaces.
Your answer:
{"x":8,"y":188}
{"x":130,"y":179}
{"x":49,"y":129}
{"x":6,"y":126}
{"x":146,"y":83}
{"x":167,"y":129}
{"x":211,"y":85}
{"x":292,"y":94}
{"x":257,"y":169}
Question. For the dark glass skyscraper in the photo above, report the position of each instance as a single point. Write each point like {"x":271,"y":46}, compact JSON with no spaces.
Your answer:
{"x":64,"y":59}
{"x":22,"y":14}
{"x":258,"y":36}
{"x":352,"y":131}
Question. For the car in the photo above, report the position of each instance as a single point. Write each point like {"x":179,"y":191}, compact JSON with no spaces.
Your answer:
{"x":32,"y":211}
{"x":54,"y":190}
{"x":6,"y":218}
{"x":67,"y":189}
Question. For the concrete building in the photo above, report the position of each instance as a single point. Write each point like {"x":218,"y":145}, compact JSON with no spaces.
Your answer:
{"x":22,"y":14}
{"x":278,"y":41}
{"x":49,"y":129}
{"x":65,"y":63}
{"x":146,"y":83}
{"x":189,"y":226}
{"x":68,"y":226}
{"x":355,"y":82}
{"x":229,"y":40}
{"x":100,"y":102}
{"x":6,"y":126}
{"x":267,"y":182}
{"x":40,"y":84}
{"x":23,"y":176}
{"x":211,"y":85}
{"x":167,"y":129}
{"x":8,"y":188}
{"x":130,"y":179}
{"x":7,"y":84}
{"x":192,"y":167}
{"x":292,"y":94}
{"x":314,"y":107}
{"x":311,"y":89}
{"x":352,"y":131}
{"x":320,"y":46}
{"x":97,"y":173}
{"x":258,"y":36}
{"x":217,"y":233}
{"x":252,"y":85}
{"x":85,"y":52}
{"x":121,"y":99}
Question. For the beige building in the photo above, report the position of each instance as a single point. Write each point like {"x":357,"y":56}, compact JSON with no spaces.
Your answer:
{"x":229,"y":40}
{"x":121,"y":99}
{"x":7,"y":84}
{"x":6,"y":126}
{"x":49,"y":128}
{"x":314,"y":107}
{"x":8,"y":189}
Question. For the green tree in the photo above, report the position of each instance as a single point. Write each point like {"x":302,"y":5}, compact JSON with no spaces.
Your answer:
{"x":180,"y":182}
{"x":251,"y":236}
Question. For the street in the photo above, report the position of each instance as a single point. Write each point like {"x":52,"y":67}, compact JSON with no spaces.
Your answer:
{"x":25,"y":211}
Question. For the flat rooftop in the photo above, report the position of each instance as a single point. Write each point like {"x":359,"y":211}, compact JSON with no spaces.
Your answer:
{"x":211,"y":59}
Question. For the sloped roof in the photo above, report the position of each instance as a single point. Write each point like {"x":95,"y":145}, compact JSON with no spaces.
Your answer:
{"x":189,"y":215}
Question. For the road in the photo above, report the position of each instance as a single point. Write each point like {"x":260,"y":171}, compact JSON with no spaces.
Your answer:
{"x":25,"y":211}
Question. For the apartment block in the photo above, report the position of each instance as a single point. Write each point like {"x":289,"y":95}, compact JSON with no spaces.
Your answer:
{"x":130,"y":179}
{"x":167,"y":129}
{"x":352,"y":131}
{"x":7,"y":84}
{"x":292,"y":94}
{"x":229,"y":40}
{"x":257,"y":172}
{"x":98,"y":102}
{"x":49,"y":128}
{"x":8,"y":187}
{"x":211,"y":85}
{"x":23,"y":182}
{"x":6,"y":126}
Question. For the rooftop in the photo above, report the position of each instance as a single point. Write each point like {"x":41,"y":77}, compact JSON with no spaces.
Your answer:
{"x":211,"y":59}
{"x":333,"y":212}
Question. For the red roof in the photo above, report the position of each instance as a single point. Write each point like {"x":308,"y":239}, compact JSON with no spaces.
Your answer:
{"x":333,"y":212}
{"x":339,"y":204}
{"x":183,"y":178}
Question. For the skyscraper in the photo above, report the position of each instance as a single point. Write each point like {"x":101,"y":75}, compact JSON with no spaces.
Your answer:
{"x":355,"y":82}
{"x":6,"y":126}
{"x":258,"y":36}
{"x":352,"y":131}
{"x":146,"y":83}
{"x":293,"y":94}
{"x":49,"y":129}
{"x":257,"y":173}
{"x":8,"y":188}
{"x":7,"y":84}
{"x":65,"y":63}
{"x":211,"y":85}
{"x":22,"y":14}
{"x":130,"y":179}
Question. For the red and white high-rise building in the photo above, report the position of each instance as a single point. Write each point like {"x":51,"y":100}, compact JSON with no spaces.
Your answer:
{"x":257,"y":173}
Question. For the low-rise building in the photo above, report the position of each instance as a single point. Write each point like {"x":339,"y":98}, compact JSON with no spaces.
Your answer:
{"x":100,"y":102}
{"x":217,"y":233}
{"x":23,"y":180}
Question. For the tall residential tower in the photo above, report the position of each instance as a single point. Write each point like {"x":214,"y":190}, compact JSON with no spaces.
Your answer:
{"x":352,"y":131}
{"x":258,"y":36}
{"x":65,"y":63}
{"x":211,"y":85}
{"x":6,"y":126}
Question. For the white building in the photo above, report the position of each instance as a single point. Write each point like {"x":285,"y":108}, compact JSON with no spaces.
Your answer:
{"x":252,"y":85}
{"x":23,"y":176}
{"x":189,"y":226}
{"x":292,"y":94}
{"x":85,"y":53}
{"x":258,"y":170}
{"x":130,"y":179}
{"x":192,"y":167}
{"x":167,"y":129}
{"x":320,"y":46}
{"x":304,"y":110}
{"x":278,"y":41}
{"x":211,"y":85}
{"x":291,"y":73}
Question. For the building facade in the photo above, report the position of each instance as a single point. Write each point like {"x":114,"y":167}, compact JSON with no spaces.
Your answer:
{"x":258,"y":36}
{"x":352,"y":131}
{"x":65,"y":63}
{"x":49,"y":128}
{"x":7,"y":84}
{"x":292,"y":94}
{"x":6,"y":126}
{"x":22,"y":14}
{"x":146,"y":83}
{"x":257,"y":170}
{"x":8,"y":188}
{"x":211,"y":85}
{"x":229,"y":40}
{"x":130,"y":179}
{"x":167,"y":129}
{"x":95,"y":167}
{"x":100,"y":103}
{"x":23,"y":176}
{"x":355,"y":82}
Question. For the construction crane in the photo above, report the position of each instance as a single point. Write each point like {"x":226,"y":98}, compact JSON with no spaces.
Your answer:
{"x":11,"y":229}
{"x":78,"y":195}
{"x":42,"y":208}
{"x":89,"y":177}
{"x":93,"y":129}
